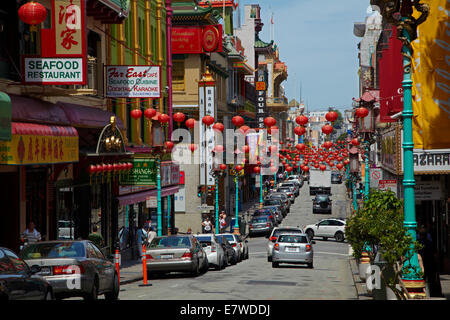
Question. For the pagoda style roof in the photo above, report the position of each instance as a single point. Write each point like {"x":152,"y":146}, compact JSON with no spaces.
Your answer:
{"x":188,"y":11}
{"x":260,"y":44}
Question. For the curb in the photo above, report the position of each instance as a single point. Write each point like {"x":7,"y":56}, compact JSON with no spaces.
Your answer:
{"x":361,"y":290}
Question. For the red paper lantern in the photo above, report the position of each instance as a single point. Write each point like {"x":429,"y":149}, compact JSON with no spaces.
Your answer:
{"x":129,"y":166}
{"x":299,"y":130}
{"x":300,"y":146}
{"x":178,"y":117}
{"x":244,"y":129}
{"x":346,"y":161}
{"x":163,"y":118}
{"x":289,"y":169}
{"x":245,"y":149}
{"x":92,"y":169}
{"x":109,"y":167}
{"x":99,"y":168}
{"x":149,"y":113}
{"x":257,"y":169}
{"x":270,"y":122}
{"x":331,"y":116}
{"x":169,"y":145}
{"x":192,"y":147}
{"x":339,"y":166}
{"x":32,"y":13}
{"x":305,"y":168}
{"x":237,"y":121}
{"x":218,"y":126}
{"x":238,"y":167}
{"x":208,"y":120}
{"x":136,"y":114}
{"x":301,"y":120}
{"x":323,"y":167}
{"x":223,"y":166}
{"x":361,"y":112}
{"x":327,"y":129}
{"x":190,"y":123}
{"x":327,"y":144}
{"x":355,"y":142}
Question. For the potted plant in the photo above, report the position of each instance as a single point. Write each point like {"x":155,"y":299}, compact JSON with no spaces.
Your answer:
{"x":379,"y":224}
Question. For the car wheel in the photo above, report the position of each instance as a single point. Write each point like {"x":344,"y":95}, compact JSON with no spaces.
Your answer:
{"x":196,"y":271}
{"x":339,"y":236}
{"x":310,"y":234}
{"x":310,"y":265}
{"x":246,"y":255}
{"x":49,"y":295}
{"x":269,"y":258}
{"x":234,"y":260}
{"x":93,"y":295}
{"x":275,"y":264}
{"x":114,"y":293}
{"x":325,"y":238}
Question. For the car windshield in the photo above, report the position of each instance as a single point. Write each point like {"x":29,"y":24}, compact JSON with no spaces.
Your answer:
{"x":203,"y":238}
{"x":285,"y":189}
{"x":292,"y":238}
{"x":277,"y":232}
{"x":53,"y":250}
{"x":279,"y":195}
{"x":321,"y":198}
{"x":261,"y":211}
{"x":229,"y":237}
{"x":171,"y":242}
{"x":220,"y":240}
{"x":259,"y":220}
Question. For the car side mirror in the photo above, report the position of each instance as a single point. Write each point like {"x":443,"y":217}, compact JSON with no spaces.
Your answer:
{"x":35,"y":269}
{"x":204,"y":245}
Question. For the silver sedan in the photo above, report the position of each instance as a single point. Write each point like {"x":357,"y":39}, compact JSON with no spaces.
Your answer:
{"x":74,"y":268}
{"x":293,"y":249}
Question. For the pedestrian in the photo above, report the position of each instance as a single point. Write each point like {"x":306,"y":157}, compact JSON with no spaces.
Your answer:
{"x":189,"y":231}
{"x":207,"y":225}
{"x":430,"y":267}
{"x":30,"y":234}
{"x":95,"y":237}
{"x":151,"y":235}
{"x":141,"y":235}
{"x":222,"y":221}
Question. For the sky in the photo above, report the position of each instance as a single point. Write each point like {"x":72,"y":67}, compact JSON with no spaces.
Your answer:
{"x":317,"y":43}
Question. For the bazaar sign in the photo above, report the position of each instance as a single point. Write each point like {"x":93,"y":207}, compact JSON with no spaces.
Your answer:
{"x":133,"y":81}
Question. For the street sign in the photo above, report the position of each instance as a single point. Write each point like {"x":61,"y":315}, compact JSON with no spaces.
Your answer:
{"x":388,"y":185}
{"x":152,"y":202}
{"x":376,"y":175}
{"x":206,"y":207}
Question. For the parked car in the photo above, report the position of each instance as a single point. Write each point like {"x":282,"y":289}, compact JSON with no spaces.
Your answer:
{"x":213,"y":249}
{"x":283,"y":197}
{"x":233,"y":240}
{"x":75,"y":268}
{"x":260,"y":225}
{"x":243,"y":242}
{"x":327,"y":228}
{"x":322,"y":203}
{"x":230,"y":253}
{"x":336,"y":177}
{"x":176,"y":253}
{"x":278,"y":203}
{"x":296,"y":179}
{"x":275,"y":211}
{"x":19,"y":281}
{"x":294,"y":249}
{"x":274,"y":236}
{"x":292,"y":184}
{"x":268,"y":213}
{"x":289,"y":192}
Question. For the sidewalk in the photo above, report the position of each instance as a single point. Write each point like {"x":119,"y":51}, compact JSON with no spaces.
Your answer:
{"x":131,"y":270}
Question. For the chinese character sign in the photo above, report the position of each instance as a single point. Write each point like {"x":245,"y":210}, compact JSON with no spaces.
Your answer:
{"x":68,"y":24}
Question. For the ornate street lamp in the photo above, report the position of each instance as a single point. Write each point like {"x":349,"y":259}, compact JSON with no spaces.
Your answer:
{"x":400,"y":13}
{"x":217,"y":173}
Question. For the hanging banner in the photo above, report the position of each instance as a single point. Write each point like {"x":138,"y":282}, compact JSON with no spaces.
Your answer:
{"x":133,"y":81}
{"x":197,"y":39}
{"x":431,"y":78}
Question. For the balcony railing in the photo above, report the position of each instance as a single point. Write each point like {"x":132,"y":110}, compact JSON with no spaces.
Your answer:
{"x":277,"y":101}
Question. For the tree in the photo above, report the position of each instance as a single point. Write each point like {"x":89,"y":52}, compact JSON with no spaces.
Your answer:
{"x":379,"y":225}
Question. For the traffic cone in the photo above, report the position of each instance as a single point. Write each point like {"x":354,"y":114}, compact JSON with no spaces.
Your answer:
{"x":117,"y":262}
{"x":144,"y":267}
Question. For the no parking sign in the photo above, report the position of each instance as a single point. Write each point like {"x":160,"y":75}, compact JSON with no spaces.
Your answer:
{"x":376,"y":174}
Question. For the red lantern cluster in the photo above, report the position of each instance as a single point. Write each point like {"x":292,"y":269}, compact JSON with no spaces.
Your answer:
{"x":103,"y":168}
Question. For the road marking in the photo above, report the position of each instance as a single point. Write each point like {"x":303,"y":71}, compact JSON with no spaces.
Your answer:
{"x":257,"y":252}
{"x":333,"y":253}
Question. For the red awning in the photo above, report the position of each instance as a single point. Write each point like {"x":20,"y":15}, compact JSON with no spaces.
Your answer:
{"x":142,"y":196}
{"x":22,"y":128}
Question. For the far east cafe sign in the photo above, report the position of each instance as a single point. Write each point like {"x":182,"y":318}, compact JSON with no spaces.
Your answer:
{"x":63,"y":58}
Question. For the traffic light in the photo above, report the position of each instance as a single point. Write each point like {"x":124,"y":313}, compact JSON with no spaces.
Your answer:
{"x":199,"y":191}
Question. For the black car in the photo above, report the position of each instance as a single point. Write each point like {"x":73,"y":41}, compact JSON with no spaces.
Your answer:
{"x":322,"y":203}
{"x":230,"y":253}
{"x":336,"y":177}
{"x":20,"y":282}
{"x":278,"y":203}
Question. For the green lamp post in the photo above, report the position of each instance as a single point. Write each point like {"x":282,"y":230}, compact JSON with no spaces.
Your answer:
{"x":238,"y":168}
{"x":158,"y":186}
{"x":400,"y":14}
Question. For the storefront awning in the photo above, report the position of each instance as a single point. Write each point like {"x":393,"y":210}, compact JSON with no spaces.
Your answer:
{"x":33,"y":143}
{"x":142,"y":196}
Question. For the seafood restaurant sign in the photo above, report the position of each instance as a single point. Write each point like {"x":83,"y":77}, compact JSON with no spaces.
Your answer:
{"x":133,"y":81}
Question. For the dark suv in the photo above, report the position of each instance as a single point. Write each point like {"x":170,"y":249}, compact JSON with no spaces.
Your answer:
{"x":322,"y":203}
{"x":336,"y":177}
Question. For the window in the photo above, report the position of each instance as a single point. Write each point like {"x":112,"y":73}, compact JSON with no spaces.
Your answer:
{"x":292,"y":239}
{"x":324,"y":223}
{"x":19,"y":265}
{"x":5,"y":264}
{"x":97,"y":251}
{"x":178,"y":75}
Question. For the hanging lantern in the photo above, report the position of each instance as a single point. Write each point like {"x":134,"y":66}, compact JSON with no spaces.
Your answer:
{"x":300,"y":146}
{"x":361,"y":112}
{"x":163,"y":118}
{"x":257,"y":170}
{"x":245,"y":149}
{"x":32,"y":13}
{"x":301,"y":120}
{"x":327,"y":129}
{"x":92,"y":169}
{"x":331,"y":116}
{"x":178,"y":117}
{"x":208,"y":120}
{"x":237,"y":121}
{"x":169,"y":145}
{"x":244,"y":129}
{"x":238,"y":168}
{"x":218,"y":126}
{"x":327,"y":144}
{"x":339,"y":166}
{"x":149,"y":113}
{"x":136,"y":114}
{"x":192,"y":147}
{"x":223,"y":166}
{"x":190,"y":123}
{"x":355,"y":142}
{"x":299,"y":130}
{"x":270,"y":122}
{"x":346,"y":162}
{"x":289,"y":169}
{"x":305,"y":168}
{"x":323,"y":167}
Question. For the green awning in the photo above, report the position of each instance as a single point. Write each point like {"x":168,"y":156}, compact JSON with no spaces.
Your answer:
{"x":5,"y":117}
